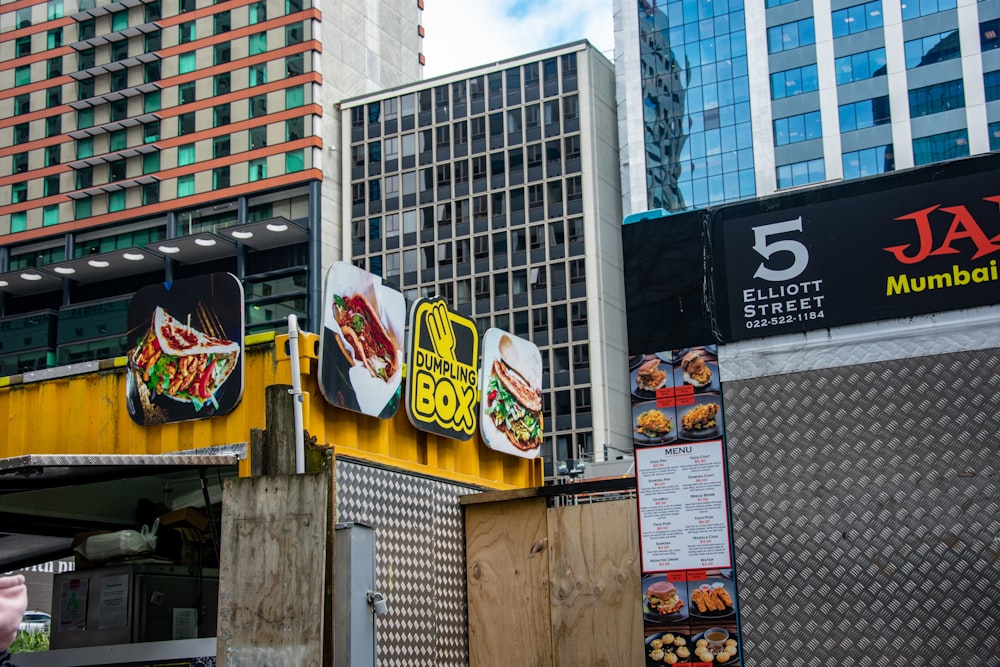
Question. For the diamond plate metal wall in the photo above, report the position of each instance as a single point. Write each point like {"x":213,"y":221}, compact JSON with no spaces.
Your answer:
{"x":420,"y":561}
{"x":866,"y":507}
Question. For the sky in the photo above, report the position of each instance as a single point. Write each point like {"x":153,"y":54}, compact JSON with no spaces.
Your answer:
{"x":467,"y":33}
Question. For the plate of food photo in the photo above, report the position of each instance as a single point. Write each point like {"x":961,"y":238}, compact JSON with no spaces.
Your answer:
{"x":649,"y":376}
{"x":701,"y":421}
{"x":652,"y":425}
{"x":667,"y":648}
{"x":661,"y":601}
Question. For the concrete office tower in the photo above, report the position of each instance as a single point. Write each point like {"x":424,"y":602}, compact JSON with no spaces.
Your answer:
{"x":150,"y":140}
{"x":784,"y":93}
{"x":497,"y":188}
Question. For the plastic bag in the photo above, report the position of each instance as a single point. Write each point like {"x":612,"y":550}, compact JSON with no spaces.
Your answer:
{"x":119,"y":543}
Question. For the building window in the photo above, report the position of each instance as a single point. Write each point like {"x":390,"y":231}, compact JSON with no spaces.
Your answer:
{"x":19,"y":192}
{"x":295,"y":161}
{"x":937,"y":98}
{"x":22,"y":104}
{"x":221,"y":115}
{"x":258,"y":137}
{"x":151,"y":193}
{"x":151,"y":162}
{"x":258,"y":74}
{"x":989,"y":35}
{"x":222,"y":83}
{"x":21,"y":163}
{"x":991,"y":82}
{"x":860,"y":66}
{"x":868,"y":162}
{"x":794,"y":81}
{"x":931,"y":49}
{"x":185,"y":185}
{"x":22,"y":135}
{"x":790,"y":35}
{"x":222,"y":53}
{"x":54,"y":66}
{"x":221,"y":22}
{"x":293,"y":34}
{"x":151,"y":71}
{"x":151,"y":132}
{"x":912,"y":10}
{"x":220,"y":146}
{"x":119,"y":110}
{"x":295,"y":128}
{"x":295,"y":97}
{"x":258,"y":43}
{"x":858,"y":18}
{"x":50,"y":215}
{"x":151,"y":101}
{"x":116,"y":201}
{"x":866,"y":113}
{"x":152,"y":41}
{"x":994,"y":132}
{"x":294,"y":65}
{"x":186,"y":62}
{"x":801,"y":173}
{"x":84,"y":178}
{"x":53,"y":126}
{"x":186,"y":32}
{"x":794,"y":129}
{"x":82,"y":208}
{"x":116,"y":171}
{"x":258,"y":12}
{"x":258,"y":169}
{"x":118,"y":140}
{"x":22,"y":75}
{"x":939,"y":147}
{"x":220,"y":178}
{"x":185,"y":155}
{"x":185,"y":123}
{"x":258,"y":106}
{"x":54,"y":38}
{"x":22,"y":47}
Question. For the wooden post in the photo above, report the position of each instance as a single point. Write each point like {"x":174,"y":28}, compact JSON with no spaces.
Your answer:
{"x":279,"y":419}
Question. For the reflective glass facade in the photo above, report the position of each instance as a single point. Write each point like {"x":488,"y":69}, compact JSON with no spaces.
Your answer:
{"x":696,"y":103}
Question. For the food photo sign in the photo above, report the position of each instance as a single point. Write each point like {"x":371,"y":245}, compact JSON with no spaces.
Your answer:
{"x":689,"y":604}
{"x":511,"y":406}
{"x":185,"y":350}
{"x":361,"y":345}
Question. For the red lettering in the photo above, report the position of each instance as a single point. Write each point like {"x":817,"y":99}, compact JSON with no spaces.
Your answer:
{"x":963,"y":226}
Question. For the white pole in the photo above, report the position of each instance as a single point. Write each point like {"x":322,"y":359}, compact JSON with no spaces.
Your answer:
{"x":296,"y":392}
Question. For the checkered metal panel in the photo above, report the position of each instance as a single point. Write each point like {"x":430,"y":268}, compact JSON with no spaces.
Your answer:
{"x":866,"y":507}
{"x":420,"y":561}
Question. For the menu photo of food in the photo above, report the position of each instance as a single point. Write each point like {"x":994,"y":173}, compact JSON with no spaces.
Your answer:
{"x":668,"y":648}
{"x":663,"y":600}
{"x":702,"y":420}
{"x":185,"y":345}
{"x":361,"y":344}
{"x":698,"y":368}
{"x":652,"y":425}
{"x":511,"y":394}
{"x":651,"y":373}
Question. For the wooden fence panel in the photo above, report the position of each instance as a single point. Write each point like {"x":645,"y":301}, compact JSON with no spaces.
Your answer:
{"x":508,"y":584}
{"x":273,"y":571}
{"x":596,"y":587}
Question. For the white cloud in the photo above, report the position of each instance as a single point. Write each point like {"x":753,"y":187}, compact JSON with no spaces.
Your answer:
{"x":467,"y":33}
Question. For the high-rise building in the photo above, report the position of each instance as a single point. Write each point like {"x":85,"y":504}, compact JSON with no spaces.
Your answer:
{"x":721,"y":100}
{"x":157,"y":139}
{"x":491,"y":187}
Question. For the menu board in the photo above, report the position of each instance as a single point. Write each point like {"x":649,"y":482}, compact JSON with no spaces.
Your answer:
{"x":689,"y":601}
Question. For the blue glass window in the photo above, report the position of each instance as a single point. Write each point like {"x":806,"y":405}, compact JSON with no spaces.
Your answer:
{"x":858,"y":18}
{"x":801,"y":173}
{"x":777,"y":3}
{"x":790,"y":35}
{"x":991,"y":82}
{"x":868,"y":162}
{"x":860,"y":66}
{"x":994,"y":131}
{"x":932,"y":49}
{"x":988,"y":34}
{"x":937,"y":147}
{"x":794,"y":129}
{"x":794,"y":82}
{"x":914,"y":8}
{"x":937,"y":98}
{"x":866,"y":113}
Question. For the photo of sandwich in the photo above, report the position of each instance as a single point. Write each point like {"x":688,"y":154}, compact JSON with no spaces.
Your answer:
{"x":185,"y":350}
{"x":361,"y":342}
{"x":180,"y":362}
{"x":372,"y":345}
{"x":512,"y":394}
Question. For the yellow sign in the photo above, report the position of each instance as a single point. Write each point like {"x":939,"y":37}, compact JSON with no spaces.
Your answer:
{"x":442,"y":385}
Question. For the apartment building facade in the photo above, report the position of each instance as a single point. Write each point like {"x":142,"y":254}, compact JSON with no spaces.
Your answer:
{"x":145,"y":141}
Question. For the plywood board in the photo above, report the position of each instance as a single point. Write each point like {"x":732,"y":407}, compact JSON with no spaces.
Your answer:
{"x":596,"y":590}
{"x":508,"y":584}
{"x":275,"y":536}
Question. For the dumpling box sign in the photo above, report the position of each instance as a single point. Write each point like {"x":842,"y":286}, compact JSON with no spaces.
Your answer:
{"x":511,"y":405}
{"x":185,"y":350}
{"x":361,"y":345}
{"x":442,"y":381}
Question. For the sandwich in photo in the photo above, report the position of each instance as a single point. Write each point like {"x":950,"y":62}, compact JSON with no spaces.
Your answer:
{"x":372,"y":345}
{"x":513,"y":401}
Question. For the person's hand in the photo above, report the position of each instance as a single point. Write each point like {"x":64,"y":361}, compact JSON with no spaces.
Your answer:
{"x":13,"y":602}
